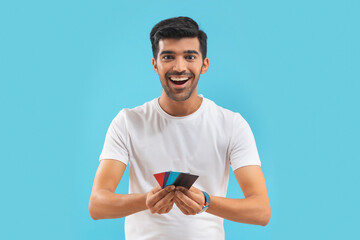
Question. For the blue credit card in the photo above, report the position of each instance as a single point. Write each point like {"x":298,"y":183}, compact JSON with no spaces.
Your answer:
{"x":172,"y":178}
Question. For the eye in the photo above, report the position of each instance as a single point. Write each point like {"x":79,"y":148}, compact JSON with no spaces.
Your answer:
{"x":190,"y":57}
{"x":167,"y":57}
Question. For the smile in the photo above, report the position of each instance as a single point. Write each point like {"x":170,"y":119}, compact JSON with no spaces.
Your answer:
{"x":179,"y":80}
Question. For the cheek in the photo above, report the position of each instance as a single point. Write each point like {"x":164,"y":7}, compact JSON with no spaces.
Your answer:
{"x":196,"y":69}
{"x":162,"y":70}
{"x":196,"y":72}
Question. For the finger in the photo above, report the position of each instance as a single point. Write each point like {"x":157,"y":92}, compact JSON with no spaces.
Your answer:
{"x":182,"y":207}
{"x":170,"y":188}
{"x":186,"y":200}
{"x":193,"y":193}
{"x":190,"y":205}
{"x":166,"y":209}
{"x":155,"y":189}
{"x":164,"y":202}
{"x":150,"y":200}
{"x":157,"y":196}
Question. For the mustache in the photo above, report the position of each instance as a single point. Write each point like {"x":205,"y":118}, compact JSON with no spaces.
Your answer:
{"x":179,"y":74}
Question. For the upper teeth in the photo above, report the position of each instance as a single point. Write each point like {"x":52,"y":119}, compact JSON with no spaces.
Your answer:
{"x":179,"y":79}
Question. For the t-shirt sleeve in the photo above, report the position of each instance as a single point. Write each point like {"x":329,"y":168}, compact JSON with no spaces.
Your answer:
{"x":242,"y":149}
{"x":115,"y":146}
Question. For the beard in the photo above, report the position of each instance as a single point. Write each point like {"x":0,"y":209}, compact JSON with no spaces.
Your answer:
{"x":179,"y":95}
{"x":183,"y":94}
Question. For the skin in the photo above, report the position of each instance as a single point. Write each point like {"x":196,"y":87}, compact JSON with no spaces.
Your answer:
{"x":179,"y":58}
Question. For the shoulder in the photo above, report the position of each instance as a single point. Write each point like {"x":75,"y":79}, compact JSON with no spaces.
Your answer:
{"x":133,"y":116}
{"x":222,"y":113}
{"x":136,"y":112}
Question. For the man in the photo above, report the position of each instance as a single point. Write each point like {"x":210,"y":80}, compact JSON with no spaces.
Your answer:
{"x":184,"y":132}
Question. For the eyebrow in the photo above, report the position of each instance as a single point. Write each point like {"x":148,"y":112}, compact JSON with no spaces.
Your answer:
{"x":192,"y":51}
{"x":172,"y":52}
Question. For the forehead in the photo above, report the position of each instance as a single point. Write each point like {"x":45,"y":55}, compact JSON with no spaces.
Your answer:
{"x":179,"y":45}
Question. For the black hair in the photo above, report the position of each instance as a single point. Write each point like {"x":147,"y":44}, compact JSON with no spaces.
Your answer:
{"x":177,"y":27}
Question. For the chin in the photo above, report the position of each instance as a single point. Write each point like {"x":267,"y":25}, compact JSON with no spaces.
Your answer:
{"x":178,"y":98}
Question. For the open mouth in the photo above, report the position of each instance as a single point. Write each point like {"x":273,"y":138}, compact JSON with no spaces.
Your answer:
{"x":179,"y":80}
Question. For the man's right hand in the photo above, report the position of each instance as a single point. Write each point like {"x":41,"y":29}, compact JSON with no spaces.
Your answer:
{"x":160,"y":200}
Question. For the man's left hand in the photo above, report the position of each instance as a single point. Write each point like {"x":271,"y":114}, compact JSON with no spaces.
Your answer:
{"x":191,"y":201}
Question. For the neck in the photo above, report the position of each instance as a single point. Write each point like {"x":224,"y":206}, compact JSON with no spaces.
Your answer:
{"x":180,"y":108}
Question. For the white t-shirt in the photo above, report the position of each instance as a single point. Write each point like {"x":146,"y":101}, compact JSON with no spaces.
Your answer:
{"x":204,"y":143}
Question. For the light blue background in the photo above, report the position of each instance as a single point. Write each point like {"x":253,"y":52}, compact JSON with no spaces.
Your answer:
{"x":291,"y":68}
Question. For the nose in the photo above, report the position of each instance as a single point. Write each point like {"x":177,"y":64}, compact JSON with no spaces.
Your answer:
{"x":180,"y":65}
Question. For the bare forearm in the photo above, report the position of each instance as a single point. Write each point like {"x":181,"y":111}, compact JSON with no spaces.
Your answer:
{"x":251,"y":210}
{"x":106,"y":204}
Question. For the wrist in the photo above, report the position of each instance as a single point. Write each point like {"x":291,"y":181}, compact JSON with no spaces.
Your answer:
{"x":206,"y":202}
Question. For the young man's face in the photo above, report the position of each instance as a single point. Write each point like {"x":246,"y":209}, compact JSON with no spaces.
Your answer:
{"x":179,"y":65}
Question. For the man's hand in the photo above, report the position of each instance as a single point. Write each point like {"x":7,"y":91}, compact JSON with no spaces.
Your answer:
{"x":191,"y":201}
{"x":160,"y":200}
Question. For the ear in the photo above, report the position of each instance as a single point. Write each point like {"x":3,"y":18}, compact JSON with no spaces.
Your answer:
{"x":205,"y":65}
{"x":155,"y":65}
